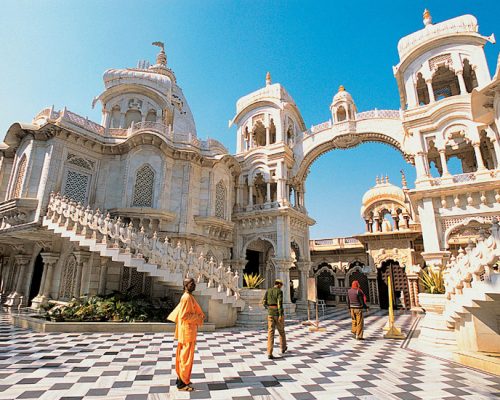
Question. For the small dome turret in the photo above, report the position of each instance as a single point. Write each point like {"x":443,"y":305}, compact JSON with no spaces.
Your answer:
{"x":342,"y":107}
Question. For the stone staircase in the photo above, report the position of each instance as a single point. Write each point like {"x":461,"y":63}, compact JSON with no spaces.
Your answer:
{"x":472,"y":282}
{"x":135,"y":249}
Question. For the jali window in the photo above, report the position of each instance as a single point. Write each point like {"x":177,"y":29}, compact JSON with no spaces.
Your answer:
{"x":143,"y":188}
{"x":220,"y":200}
{"x":76,"y":186}
{"x":21,"y":171}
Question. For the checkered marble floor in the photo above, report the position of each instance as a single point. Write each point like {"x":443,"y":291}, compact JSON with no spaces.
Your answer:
{"x":232,"y":364}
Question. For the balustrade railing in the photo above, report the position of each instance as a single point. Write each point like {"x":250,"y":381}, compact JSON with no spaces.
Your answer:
{"x":473,"y":266}
{"x":115,"y":234}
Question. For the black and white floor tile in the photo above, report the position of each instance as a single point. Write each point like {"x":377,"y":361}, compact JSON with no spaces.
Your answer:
{"x":232,"y":364}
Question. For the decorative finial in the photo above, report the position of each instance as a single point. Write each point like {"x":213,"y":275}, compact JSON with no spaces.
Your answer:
{"x":377,"y":181}
{"x":403,"y":180}
{"x":341,"y":88}
{"x":268,"y":78}
{"x":427,"y":17}
{"x":386,"y":179}
{"x":161,"y":58}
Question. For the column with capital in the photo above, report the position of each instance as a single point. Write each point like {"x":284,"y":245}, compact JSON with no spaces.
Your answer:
{"x":5,"y":275}
{"x":304,"y":267}
{"x":49,"y":263}
{"x":20,"y":264}
{"x":81,"y":258}
{"x":103,"y":276}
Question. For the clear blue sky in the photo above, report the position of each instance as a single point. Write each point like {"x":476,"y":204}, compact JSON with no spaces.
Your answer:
{"x":55,"y":52}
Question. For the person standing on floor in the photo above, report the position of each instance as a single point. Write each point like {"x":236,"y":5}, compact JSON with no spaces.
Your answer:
{"x":187,"y":316}
{"x":273,"y":301}
{"x":356,"y":303}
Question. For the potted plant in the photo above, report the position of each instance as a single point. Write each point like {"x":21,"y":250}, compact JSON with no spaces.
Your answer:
{"x":432,"y":297}
{"x":254,"y":314}
{"x":432,"y":328}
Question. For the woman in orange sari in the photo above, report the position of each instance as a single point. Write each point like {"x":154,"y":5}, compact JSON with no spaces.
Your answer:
{"x":187,"y":317}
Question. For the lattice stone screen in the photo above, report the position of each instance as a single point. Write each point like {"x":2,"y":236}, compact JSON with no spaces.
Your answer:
{"x":76,"y":186}
{"x":68,"y":278}
{"x":136,"y":282}
{"x":21,"y":171}
{"x":143,"y":188}
{"x":220,"y":200}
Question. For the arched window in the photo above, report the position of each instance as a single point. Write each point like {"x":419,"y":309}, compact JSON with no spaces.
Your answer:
{"x":445,"y":83}
{"x":143,"y":187}
{"x":220,"y":200}
{"x":68,"y":278}
{"x":151,"y":116}
{"x":469,"y":75}
{"x":341,"y":114}
{"x":132,"y":116}
{"x":21,"y":172}
{"x":259,"y":134}
{"x":422,"y":91}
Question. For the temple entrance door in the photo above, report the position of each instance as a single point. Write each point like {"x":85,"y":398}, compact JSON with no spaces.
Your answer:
{"x":363,"y":282}
{"x":36,"y":279}
{"x":324,"y":280}
{"x":258,"y":256}
{"x":400,"y":284}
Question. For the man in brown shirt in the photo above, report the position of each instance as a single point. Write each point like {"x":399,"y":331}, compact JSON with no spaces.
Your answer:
{"x":356,"y":304}
{"x":273,"y":301}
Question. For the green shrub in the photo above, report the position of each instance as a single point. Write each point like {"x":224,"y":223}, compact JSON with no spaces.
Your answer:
{"x":432,"y":282}
{"x":117,"y":306}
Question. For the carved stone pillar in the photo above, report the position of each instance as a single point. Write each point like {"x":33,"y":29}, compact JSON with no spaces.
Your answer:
{"x":479,"y":156}
{"x":461,"y":82}
{"x":5,"y":275}
{"x":20,"y":263}
{"x":103,"y":276}
{"x":49,"y":263}
{"x":304,"y":267}
{"x":413,"y":290}
{"x":444,"y":165}
{"x":373,"y":287}
{"x":432,"y":99}
{"x":238,"y":266}
{"x":81,"y":258}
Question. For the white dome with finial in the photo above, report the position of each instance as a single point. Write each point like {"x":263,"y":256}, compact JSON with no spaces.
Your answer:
{"x":383,"y":190}
{"x":342,"y":95}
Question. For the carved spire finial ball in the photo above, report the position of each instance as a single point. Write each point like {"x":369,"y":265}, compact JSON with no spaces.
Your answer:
{"x":268,"y":78}
{"x":427,"y":17}
{"x":341,"y":88}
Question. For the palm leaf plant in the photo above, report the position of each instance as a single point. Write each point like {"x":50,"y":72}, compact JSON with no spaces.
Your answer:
{"x":432,"y":282}
{"x":253,"y":280}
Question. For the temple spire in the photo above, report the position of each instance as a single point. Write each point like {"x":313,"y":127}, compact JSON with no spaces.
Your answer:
{"x":161,"y":58}
{"x":268,"y":78}
{"x":427,"y":17}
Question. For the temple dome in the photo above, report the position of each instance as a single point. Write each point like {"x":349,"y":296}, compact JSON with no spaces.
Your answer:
{"x":342,"y":95}
{"x":383,"y":190}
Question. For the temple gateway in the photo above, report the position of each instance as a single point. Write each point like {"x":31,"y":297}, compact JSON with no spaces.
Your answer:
{"x":138,"y":201}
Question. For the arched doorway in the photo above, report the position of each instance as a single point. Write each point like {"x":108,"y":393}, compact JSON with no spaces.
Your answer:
{"x":325,"y":278}
{"x":401,"y":295}
{"x":355,"y":274}
{"x":258,"y":256}
{"x":36,"y":278}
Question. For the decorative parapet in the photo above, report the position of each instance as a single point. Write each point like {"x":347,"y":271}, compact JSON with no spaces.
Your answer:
{"x":334,"y":243}
{"x":68,"y":119}
{"x":17,"y":211}
{"x":215,"y":227}
{"x":351,"y":125}
{"x":114,"y":234}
